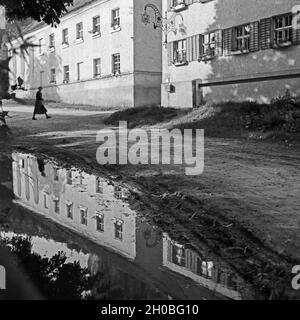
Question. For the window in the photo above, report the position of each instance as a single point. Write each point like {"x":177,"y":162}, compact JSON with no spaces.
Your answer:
{"x":66,"y":74}
{"x":97,"y":67}
{"x":52,"y":41}
{"x":115,"y":23}
{"x":65,"y":37}
{"x":99,"y":185}
{"x":52,"y":76}
{"x":83,"y":214}
{"x":69,"y":207}
{"x":42,"y":74}
{"x":119,"y":229}
{"x":56,"y":205}
{"x":96,"y":25}
{"x":209,"y":45}
{"x":283,"y":29}
{"x":241,"y":36}
{"x":100,"y":221}
{"x":79,"y":65}
{"x":180,"y":52}
{"x":116,"y":64}
{"x":177,"y":5}
{"x":79,"y":31}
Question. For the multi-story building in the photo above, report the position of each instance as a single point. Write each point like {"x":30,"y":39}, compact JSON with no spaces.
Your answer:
{"x":230,"y":50}
{"x":100,"y":54}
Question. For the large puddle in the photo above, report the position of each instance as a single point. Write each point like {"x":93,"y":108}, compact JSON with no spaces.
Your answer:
{"x":89,"y":219}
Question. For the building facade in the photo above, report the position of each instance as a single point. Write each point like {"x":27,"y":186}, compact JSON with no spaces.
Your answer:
{"x":100,"y":54}
{"x":224,"y":50}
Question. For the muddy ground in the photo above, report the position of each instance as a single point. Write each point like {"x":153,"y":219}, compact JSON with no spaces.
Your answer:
{"x":246,"y":205}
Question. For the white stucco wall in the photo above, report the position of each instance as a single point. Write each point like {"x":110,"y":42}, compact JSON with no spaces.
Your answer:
{"x":200,"y":18}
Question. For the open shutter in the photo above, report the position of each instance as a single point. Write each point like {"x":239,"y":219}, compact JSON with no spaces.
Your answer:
{"x":189,"y":49}
{"x":296,"y":28}
{"x":196,"y":47}
{"x":266,"y":33}
{"x":228,"y":40}
{"x":219,"y":43}
{"x":170,"y":53}
{"x":254,"y":36}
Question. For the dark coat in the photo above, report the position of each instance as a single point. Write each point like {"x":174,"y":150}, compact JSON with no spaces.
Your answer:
{"x":39,"y":107}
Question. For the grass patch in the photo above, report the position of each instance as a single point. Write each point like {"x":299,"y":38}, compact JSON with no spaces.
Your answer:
{"x":141,"y":116}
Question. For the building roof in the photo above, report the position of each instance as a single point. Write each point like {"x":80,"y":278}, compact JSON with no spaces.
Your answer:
{"x":77,"y":4}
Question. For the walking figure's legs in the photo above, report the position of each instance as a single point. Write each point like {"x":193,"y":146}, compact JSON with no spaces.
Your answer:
{"x":33,"y":117}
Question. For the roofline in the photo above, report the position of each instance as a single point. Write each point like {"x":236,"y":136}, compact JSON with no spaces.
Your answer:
{"x":41,"y":25}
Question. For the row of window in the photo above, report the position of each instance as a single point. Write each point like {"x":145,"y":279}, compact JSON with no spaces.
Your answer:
{"x":96,"y":25}
{"x":274,"y":32}
{"x":116,"y":70}
{"x":100,"y":218}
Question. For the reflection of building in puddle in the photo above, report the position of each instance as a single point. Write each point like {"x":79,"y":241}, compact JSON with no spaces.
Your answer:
{"x":87,"y":204}
{"x":216,"y":277}
{"x":96,"y":208}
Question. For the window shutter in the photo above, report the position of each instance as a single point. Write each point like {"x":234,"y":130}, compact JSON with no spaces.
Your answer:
{"x":254,"y":36}
{"x":228,"y":40}
{"x":265,"y":33}
{"x":170,"y":53}
{"x":196,"y":47}
{"x":219,"y":43}
{"x":189,"y":49}
{"x":296,"y":28}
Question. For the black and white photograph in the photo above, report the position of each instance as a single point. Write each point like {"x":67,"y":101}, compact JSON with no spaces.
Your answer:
{"x":149,"y":151}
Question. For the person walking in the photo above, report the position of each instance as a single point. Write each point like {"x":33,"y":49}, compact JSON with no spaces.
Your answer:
{"x":39,"y":107}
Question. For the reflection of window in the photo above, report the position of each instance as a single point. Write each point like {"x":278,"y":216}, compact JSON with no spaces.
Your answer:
{"x":100,"y":221}
{"x":178,"y":255}
{"x":56,"y":205}
{"x":283,"y":29}
{"x":69,"y":207}
{"x":69,"y":177}
{"x":119,"y":229}
{"x":116,"y":63}
{"x":99,"y":185}
{"x":96,"y":25}
{"x":40,"y":46}
{"x":79,"y":65}
{"x":241,"y":36}
{"x":115,"y":18}
{"x":180,"y":51}
{"x":83,"y":214}
{"x":118,"y":192}
{"x":55,"y":174}
{"x":207,"y":268}
{"x":45,"y":201}
{"x":79,"y":31}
